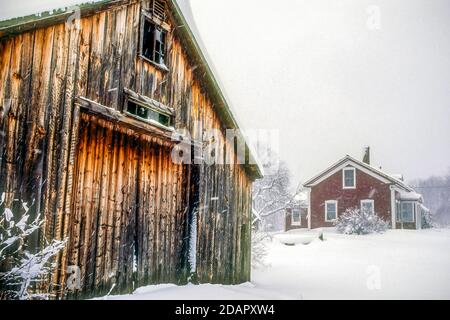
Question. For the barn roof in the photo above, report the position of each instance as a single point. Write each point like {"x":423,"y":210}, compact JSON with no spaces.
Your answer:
{"x":189,"y":37}
{"x":359,"y":164}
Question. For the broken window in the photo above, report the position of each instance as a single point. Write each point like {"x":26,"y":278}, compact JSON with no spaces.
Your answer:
{"x":154,"y":42}
{"x":147,"y":113}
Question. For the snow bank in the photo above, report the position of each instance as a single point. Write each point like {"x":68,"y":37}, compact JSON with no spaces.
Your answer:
{"x":398,"y":264}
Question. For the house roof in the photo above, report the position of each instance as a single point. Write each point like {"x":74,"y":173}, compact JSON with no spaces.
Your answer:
{"x":375,"y":172}
{"x":190,"y":40}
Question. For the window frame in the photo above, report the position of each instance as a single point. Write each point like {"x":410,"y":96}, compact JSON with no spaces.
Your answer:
{"x":146,"y":16}
{"x":371,"y":201}
{"x":131,"y":97}
{"x":293,"y":222}
{"x":354,"y":177}
{"x":413,"y":211}
{"x":335,"y":202}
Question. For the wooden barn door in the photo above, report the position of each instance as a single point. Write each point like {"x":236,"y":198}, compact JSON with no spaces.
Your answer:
{"x":128,"y":218}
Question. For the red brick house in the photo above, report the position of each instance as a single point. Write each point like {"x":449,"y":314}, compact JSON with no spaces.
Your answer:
{"x":351,"y":183}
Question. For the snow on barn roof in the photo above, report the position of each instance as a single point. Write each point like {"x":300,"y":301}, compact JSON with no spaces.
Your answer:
{"x":20,"y":19}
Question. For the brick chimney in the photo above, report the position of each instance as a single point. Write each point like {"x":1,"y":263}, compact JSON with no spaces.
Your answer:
{"x":366,"y":158}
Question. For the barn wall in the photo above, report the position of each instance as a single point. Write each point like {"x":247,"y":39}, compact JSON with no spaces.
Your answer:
{"x":41,"y":74}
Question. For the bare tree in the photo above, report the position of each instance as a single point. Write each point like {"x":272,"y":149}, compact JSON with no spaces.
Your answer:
{"x":271,"y":195}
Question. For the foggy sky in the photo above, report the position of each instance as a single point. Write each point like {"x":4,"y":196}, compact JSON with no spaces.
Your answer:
{"x":329,"y":79}
{"x":332,"y":84}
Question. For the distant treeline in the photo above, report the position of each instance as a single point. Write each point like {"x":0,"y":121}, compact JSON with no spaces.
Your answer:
{"x":436,"y":193}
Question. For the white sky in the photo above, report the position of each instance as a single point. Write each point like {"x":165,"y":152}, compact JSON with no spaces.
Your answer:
{"x":331,"y":85}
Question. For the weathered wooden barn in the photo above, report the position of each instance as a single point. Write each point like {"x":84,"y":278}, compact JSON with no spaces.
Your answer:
{"x":89,"y":101}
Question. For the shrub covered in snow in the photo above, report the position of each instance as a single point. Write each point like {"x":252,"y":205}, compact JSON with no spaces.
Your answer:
{"x":427,"y":220}
{"x":356,"y":221}
{"x":21,"y":268}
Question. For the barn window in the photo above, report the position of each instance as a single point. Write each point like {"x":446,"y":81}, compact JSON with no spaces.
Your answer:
{"x":330,"y":210}
{"x":154,"y":42}
{"x":348,"y":178}
{"x":147,"y":113}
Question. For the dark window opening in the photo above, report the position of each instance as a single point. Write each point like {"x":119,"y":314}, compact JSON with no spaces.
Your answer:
{"x":146,"y":113}
{"x":154,"y":42}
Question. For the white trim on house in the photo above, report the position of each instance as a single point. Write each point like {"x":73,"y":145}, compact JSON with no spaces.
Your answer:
{"x":354,"y":178}
{"x":418,"y":212}
{"x":309,"y":208}
{"x":393,"y":208}
{"x":348,"y":160}
{"x":326,"y":209}
{"x":371,"y":201}
{"x":342,"y":166}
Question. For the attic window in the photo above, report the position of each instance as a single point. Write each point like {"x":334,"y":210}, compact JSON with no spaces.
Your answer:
{"x":147,"y":113}
{"x":348,"y":178}
{"x":154,"y":42}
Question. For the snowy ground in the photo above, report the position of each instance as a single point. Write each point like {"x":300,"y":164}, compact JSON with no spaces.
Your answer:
{"x":399,"y":264}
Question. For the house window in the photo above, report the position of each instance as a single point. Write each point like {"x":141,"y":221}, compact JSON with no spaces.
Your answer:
{"x":330,"y":210}
{"x":153,"y":42}
{"x":144,"y":112}
{"x":296,"y":218}
{"x":368,"y":206}
{"x":348,"y":178}
{"x":406,"y":212}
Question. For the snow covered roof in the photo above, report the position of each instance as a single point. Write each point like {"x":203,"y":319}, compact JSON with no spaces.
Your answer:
{"x":410,"y":195}
{"x":360,"y":165}
{"x":301,"y":196}
{"x":397,"y":176}
{"x":181,"y":10}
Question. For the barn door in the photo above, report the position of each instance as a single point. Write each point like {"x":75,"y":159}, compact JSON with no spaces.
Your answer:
{"x":104,"y":207}
{"x":128,"y":209}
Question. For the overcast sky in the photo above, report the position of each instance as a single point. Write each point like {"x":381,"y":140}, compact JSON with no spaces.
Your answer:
{"x":332,"y":76}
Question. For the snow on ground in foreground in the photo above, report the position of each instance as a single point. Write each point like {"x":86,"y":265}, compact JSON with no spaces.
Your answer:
{"x":399,"y":264}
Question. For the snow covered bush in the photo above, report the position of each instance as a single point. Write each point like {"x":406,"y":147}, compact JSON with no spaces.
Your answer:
{"x":427,"y":220}
{"x":356,"y":221}
{"x":21,"y":268}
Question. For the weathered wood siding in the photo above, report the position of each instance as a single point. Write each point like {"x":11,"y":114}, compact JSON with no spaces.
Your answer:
{"x":117,"y":179}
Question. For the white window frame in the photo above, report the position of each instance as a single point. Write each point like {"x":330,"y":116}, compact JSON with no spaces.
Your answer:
{"x":296,"y":223}
{"x":413,"y":212}
{"x":326,"y":210}
{"x":354,"y":178}
{"x":371,"y":201}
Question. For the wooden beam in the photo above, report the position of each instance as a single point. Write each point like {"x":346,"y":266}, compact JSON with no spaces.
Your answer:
{"x":110,"y":114}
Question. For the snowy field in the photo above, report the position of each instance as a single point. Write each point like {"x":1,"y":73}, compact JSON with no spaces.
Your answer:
{"x":399,"y":264}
